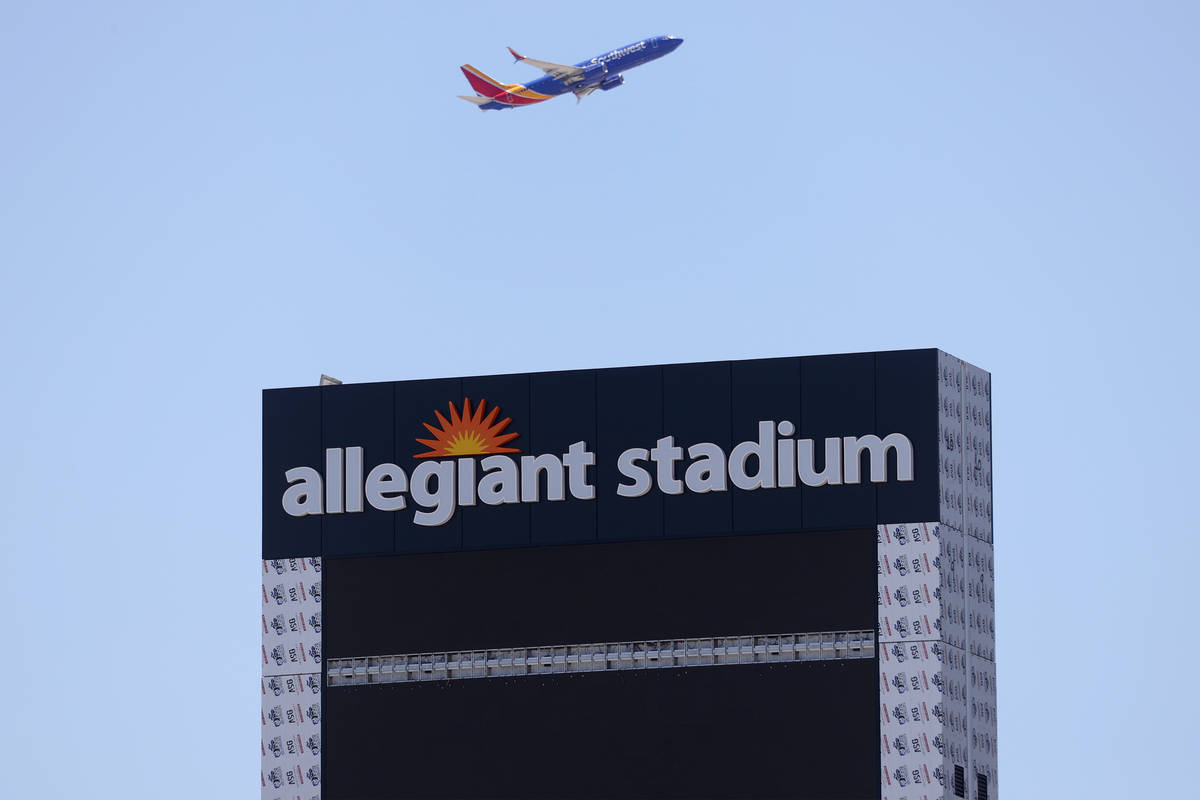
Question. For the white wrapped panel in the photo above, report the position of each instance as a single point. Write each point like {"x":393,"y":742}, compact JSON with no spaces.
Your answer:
{"x":909,"y":590}
{"x":983,"y":721}
{"x":912,"y":672}
{"x":937,"y":705}
{"x":977,"y":451}
{"x":912,"y":713}
{"x":291,"y":616}
{"x":950,"y":450}
{"x":952,"y":563}
{"x":954,"y":705}
{"x":291,"y":679}
{"x":981,"y":599}
{"x":968,"y":578}
{"x":965,"y":446}
{"x":291,"y":728}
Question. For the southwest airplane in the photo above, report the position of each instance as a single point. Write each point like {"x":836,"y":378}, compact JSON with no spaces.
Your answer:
{"x":602,"y":72}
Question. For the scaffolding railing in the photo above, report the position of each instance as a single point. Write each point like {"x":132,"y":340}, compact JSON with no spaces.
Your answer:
{"x":602,"y":657}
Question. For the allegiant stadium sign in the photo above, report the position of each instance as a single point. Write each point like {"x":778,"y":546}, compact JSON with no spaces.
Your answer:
{"x":451,"y":475}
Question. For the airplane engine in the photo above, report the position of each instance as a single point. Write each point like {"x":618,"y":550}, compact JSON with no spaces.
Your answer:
{"x":593,"y":74}
{"x":611,"y":82}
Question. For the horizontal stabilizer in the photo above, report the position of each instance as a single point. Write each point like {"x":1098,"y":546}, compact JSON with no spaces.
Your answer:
{"x":477,"y":100}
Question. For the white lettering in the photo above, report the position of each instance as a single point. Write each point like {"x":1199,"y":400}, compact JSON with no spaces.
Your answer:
{"x":303,"y":498}
{"x":627,"y":466}
{"x":786,"y":457}
{"x":665,"y":454}
{"x":354,"y":479}
{"x":384,"y":481}
{"x":530,"y":467}
{"x":440,"y":498}
{"x":707,"y":473}
{"x":878,"y":448}
{"x":499,"y":483}
{"x":466,"y":482}
{"x":832,"y":474}
{"x":578,"y":459}
{"x":764,"y":451}
{"x":334,"y":482}
{"x":439,"y":488}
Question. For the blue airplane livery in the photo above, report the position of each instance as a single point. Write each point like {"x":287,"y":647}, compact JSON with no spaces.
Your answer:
{"x":602,"y":72}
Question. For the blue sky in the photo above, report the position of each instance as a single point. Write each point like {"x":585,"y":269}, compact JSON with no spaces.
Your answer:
{"x":202,"y":202}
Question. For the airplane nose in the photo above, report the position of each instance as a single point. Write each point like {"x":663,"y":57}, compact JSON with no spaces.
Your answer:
{"x":674,"y":41}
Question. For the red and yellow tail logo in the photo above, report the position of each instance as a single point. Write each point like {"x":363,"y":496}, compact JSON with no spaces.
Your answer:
{"x":470,"y":434}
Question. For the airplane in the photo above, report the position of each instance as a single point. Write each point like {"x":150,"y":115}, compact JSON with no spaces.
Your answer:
{"x":602,"y":72}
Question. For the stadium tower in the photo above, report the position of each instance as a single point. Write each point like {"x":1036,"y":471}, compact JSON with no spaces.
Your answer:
{"x":759,"y":578}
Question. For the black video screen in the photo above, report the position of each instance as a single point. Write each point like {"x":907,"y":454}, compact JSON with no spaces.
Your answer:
{"x":801,"y":729}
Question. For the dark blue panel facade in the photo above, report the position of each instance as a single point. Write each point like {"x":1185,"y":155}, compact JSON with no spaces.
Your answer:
{"x":906,"y":388}
{"x":608,"y":592}
{"x":629,"y":413}
{"x":560,"y":405}
{"x":291,"y":438}
{"x":613,"y":411}
{"x":505,"y":525}
{"x":677,"y":733}
{"x":838,"y":399}
{"x":695,"y":410}
{"x":361,"y":414}
{"x":805,"y":729}
{"x":416,"y":402}
{"x":767,"y":389}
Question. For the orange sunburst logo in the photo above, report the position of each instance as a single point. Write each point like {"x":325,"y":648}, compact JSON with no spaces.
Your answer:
{"x":468,"y":434}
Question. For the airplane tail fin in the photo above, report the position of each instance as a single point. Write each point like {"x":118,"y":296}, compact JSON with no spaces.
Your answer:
{"x":483,"y":84}
{"x":477,"y":100}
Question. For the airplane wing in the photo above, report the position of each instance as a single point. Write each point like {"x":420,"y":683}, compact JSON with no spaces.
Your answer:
{"x":564,"y":72}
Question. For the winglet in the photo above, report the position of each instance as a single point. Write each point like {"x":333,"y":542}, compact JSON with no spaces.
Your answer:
{"x":516,"y":56}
